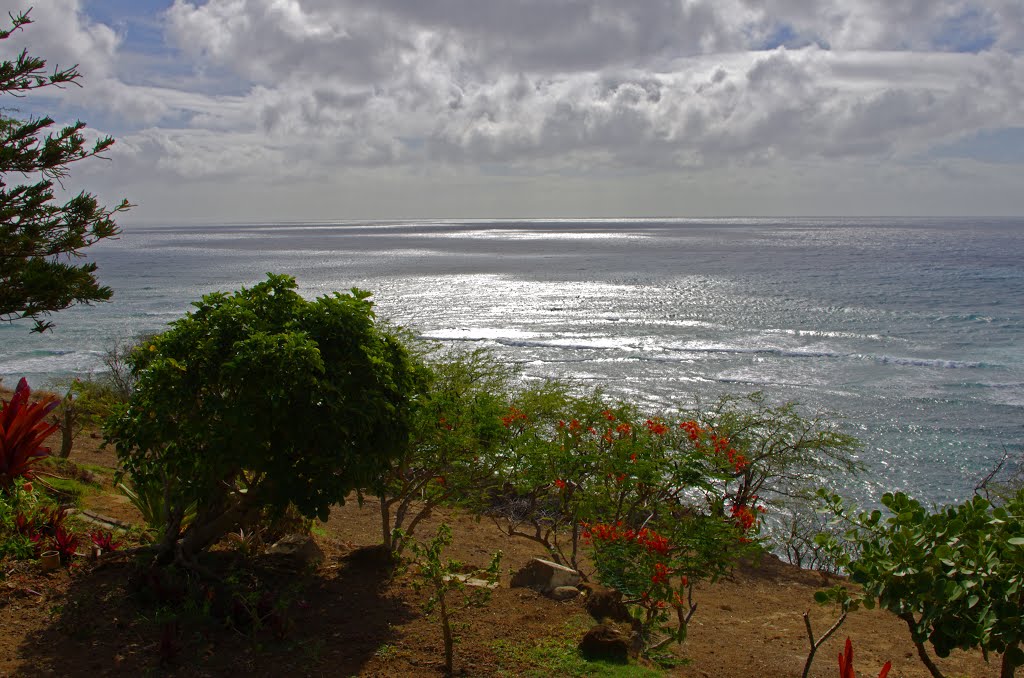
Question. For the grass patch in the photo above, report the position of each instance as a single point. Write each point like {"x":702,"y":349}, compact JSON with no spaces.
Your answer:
{"x":558,"y":655}
{"x":68,"y":490}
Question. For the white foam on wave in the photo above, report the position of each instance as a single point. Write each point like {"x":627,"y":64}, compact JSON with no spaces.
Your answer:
{"x":479,"y":334}
{"x":50,"y":362}
{"x":924,"y":362}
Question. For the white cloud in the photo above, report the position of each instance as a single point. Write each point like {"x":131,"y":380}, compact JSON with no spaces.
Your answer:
{"x":574,"y":91}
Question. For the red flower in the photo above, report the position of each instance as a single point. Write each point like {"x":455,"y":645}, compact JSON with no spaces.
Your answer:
{"x":693,"y":430}
{"x":743,"y":516}
{"x":559,"y":483}
{"x":656,"y":427}
{"x":661,"y":573}
{"x":514,"y":414}
{"x":608,"y":415}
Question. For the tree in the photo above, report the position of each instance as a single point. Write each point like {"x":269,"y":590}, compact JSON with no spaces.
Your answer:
{"x":259,"y":400}
{"x":955,"y":576}
{"x":39,"y":239}
{"x":456,"y":429}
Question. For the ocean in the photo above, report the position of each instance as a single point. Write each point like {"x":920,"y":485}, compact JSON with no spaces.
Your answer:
{"x":910,"y":332}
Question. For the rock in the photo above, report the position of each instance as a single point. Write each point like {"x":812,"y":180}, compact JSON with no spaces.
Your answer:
{"x":472,"y":581}
{"x":606,"y":603}
{"x":564,"y":593}
{"x":544,"y":576}
{"x":301,"y":549}
{"x":606,"y":643}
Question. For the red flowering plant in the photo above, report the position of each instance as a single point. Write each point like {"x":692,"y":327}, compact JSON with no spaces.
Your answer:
{"x":766,"y":456}
{"x":656,"y":570}
{"x":546,"y":468}
{"x":23,"y":428}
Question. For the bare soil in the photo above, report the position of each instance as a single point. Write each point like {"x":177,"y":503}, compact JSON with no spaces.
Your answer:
{"x":351,"y":616}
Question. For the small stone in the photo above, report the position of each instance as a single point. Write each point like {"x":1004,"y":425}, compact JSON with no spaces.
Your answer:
{"x":301,"y":549}
{"x":472,"y":581}
{"x":564,"y":593}
{"x":544,"y":576}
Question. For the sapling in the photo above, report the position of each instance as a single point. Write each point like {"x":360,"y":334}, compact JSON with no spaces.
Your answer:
{"x":442,"y":578}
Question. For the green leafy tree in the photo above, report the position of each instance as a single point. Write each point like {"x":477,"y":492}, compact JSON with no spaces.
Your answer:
{"x":260,"y":399}
{"x":954,"y":576}
{"x":40,"y":239}
{"x":455,"y":431}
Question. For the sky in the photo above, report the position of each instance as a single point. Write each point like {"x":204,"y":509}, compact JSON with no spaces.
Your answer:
{"x":326,"y":110}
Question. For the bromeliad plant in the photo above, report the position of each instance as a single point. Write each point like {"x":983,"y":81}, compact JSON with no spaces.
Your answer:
{"x":846,"y":663}
{"x":955,"y":576}
{"x":23,"y":429}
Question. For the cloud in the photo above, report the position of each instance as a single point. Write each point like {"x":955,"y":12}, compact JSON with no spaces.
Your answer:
{"x":279,"y":91}
{"x":65,"y":36}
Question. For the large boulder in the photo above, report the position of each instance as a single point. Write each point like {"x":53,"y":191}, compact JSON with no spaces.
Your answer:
{"x":605,"y":643}
{"x":544,"y":576}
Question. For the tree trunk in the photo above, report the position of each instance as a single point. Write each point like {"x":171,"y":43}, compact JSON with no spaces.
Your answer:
{"x":1008,"y":667}
{"x":201,"y":534}
{"x":67,"y":434}
{"x":385,"y":522}
{"x":446,"y":629}
{"x":921,"y":651}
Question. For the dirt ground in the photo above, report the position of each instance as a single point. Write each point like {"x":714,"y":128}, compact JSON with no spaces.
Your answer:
{"x":350,"y":617}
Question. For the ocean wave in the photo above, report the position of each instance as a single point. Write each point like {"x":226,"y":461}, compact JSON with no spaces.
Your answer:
{"x":926,"y":362}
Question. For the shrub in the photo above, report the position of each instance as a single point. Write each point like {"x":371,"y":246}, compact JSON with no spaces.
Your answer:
{"x":442,"y":578}
{"x":955,"y":576}
{"x":455,"y":431}
{"x":260,"y":399}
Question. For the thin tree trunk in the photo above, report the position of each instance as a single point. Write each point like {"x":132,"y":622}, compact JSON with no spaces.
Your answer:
{"x":446,"y":630}
{"x":1008,"y":668}
{"x":67,"y":434}
{"x":385,"y":522}
{"x":815,"y":644}
{"x":921,"y":652}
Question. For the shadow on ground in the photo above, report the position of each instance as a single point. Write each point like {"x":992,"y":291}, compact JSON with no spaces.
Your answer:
{"x":326,"y":623}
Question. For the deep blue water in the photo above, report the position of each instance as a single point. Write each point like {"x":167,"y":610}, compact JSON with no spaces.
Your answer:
{"x":909,"y":330}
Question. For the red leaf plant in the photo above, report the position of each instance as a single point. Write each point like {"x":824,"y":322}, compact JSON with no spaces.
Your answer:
{"x":104,"y":540}
{"x":846,"y":663}
{"x":65,"y":543}
{"x":22,"y":431}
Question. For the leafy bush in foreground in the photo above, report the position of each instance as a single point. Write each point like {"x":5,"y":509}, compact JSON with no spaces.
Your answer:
{"x":259,"y":399}
{"x":955,"y":577}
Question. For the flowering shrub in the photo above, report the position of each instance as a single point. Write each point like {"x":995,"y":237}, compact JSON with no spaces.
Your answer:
{"x":656,"y":573}
{"x":23,"y":428}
